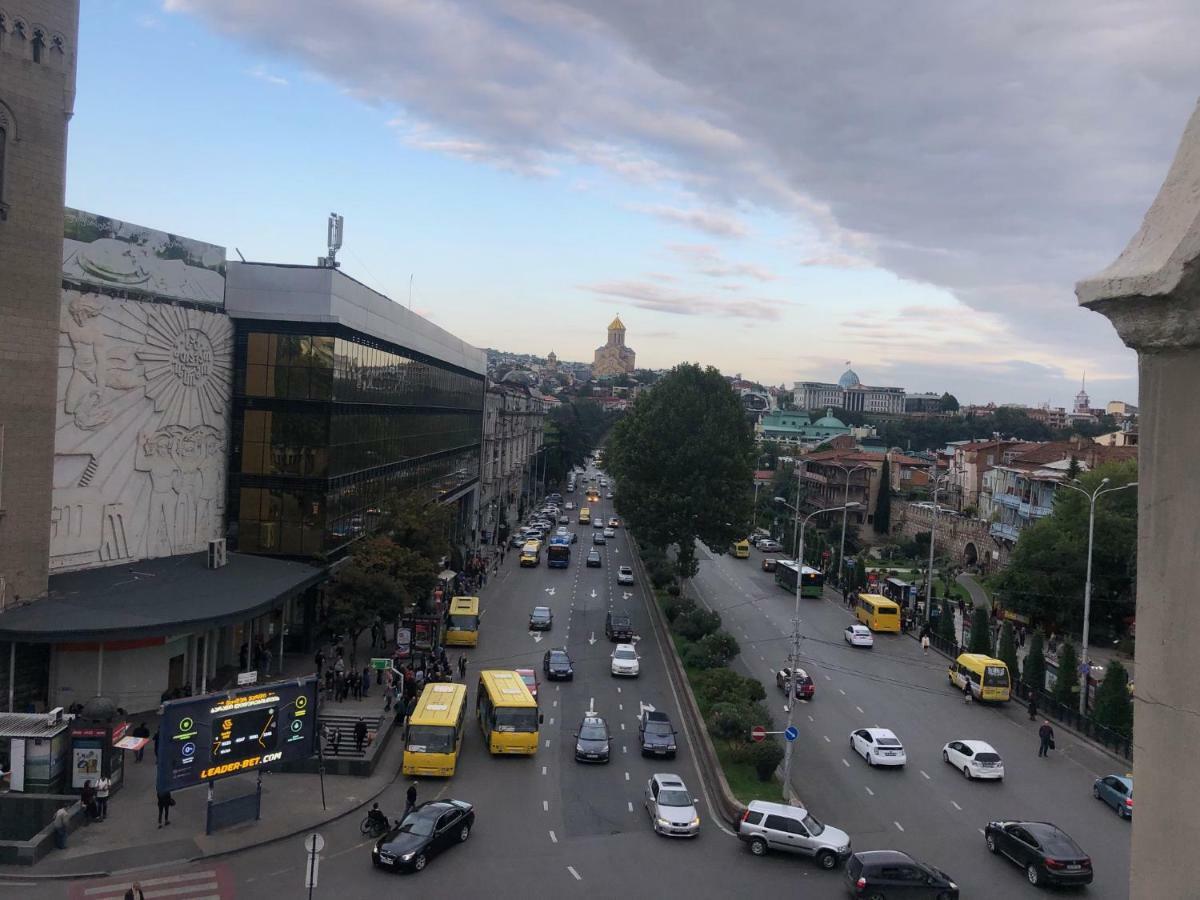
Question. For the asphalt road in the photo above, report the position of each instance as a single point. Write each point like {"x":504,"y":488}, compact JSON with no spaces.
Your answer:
{"x":926,"y":809}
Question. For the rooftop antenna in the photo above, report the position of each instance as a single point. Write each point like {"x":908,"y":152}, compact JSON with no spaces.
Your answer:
{"x":334,"y":235}
{"x":239,"y":253}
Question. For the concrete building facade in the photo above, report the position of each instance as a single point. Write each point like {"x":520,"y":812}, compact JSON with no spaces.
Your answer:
{"x":614,"y":358}
{"x":37,"y":94}
{"x":851,"y":394}
{"x":514,"y":421}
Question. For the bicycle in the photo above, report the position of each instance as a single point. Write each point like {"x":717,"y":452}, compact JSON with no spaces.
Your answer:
{"x":372,"y":827}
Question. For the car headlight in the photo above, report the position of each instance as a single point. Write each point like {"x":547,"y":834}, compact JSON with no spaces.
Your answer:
{"x":409,"y":855}
{"x":696,"y":822}
{"x":663,"y":822}
{"x":671,"y":747}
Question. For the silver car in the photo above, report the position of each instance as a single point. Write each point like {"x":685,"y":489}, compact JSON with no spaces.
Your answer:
{"x":776,"y":826}
{"x":670,"y":807}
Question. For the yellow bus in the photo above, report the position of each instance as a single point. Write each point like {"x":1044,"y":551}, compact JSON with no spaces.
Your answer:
{"x":433,"y":735}
{"x":508,"y":714}
{"x":741,"y":550}
{"x":462,"y":622}
{"x":531,"y":553}
{"x":877,"y":612}
{"x":585,"y":516}
{"x":988,"y":677}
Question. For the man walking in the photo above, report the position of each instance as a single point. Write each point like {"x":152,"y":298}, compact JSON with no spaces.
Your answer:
{"x":165,"y":802}
{"x":462,"y":666}
{"x":410,"y":800}
{"x":360,"y":734}
{"x":103,"y":786}
{"x":1046,"y":738}
{"x":135,"y":892}
{"x":140,"y":732}
{"x":925,"y":642}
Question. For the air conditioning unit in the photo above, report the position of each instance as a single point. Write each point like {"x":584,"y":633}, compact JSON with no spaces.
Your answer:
{"x":217,"y":556}
{"x":54,"y":717}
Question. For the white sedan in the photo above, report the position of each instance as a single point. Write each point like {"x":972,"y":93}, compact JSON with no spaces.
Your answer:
{"x":625,"y":661}
{"x":878,"y":746}
{"x":625,"y":575}
{"x":609,"y":532}
{"x":975,"y":759}
{"x":859,"y":636}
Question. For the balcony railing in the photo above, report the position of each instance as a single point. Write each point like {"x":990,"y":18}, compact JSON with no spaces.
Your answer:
{"x":1003,"y":531}
{"x":1012,"y":501}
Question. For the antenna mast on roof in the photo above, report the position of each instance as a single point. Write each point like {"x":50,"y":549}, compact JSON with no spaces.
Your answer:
{"x":334,"y":241}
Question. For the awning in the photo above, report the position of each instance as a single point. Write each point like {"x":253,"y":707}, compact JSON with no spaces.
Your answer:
{"x":157,"y":597}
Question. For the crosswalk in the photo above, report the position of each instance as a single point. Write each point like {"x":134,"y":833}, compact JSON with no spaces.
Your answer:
{"x":208,"y":883}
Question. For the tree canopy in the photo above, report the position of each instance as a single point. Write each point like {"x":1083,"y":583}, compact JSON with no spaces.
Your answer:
{"x":683,"y":457}
{"x":573,"y":430}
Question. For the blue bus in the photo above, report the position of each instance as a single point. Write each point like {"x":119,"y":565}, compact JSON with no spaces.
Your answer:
{"x":558,"y":553}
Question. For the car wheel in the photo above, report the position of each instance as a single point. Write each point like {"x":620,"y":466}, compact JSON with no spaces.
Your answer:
{"x":464,"y":833}
{"x":967,"y":773}
{"x":1121,"y":812}
{"x":1032,"y":873}
{"x":991,"y":844}
{"x":419,"y":863}
{"x":827,"y":859}
{"x":945,"y":757}
{"x":870,"y":759}
{"x":758,"y":847}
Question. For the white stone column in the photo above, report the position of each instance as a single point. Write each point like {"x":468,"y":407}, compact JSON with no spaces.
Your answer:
{"x":1152,"y":296}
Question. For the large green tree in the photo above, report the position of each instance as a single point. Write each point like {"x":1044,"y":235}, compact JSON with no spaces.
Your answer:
{"x":682,"y":457}
{"x":1007,"y":652}
{"x":1045,"y":576}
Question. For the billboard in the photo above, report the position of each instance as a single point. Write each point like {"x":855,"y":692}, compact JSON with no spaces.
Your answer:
{"x":210,"y":737}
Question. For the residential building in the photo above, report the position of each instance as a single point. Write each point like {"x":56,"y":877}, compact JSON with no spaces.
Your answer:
{"x":1121,"y":409}
{"x":1125,"y":436}
{"x":849,"y":393}
{"x":833,"y":477}
{"x":972,"y":460}
{"x":1052,"y":416}
{"x":614,"y":358}
{"x":37,"y":95}
{"x":514,"y":420}
{"x":1020,"y":491}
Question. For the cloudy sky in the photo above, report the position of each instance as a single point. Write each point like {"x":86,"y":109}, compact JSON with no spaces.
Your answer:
{"x":773,"y":188}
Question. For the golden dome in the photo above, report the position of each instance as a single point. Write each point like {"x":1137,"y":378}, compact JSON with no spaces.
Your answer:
{"x":616,"y":325}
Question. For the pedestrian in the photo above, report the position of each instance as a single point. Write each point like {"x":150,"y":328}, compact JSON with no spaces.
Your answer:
{"x":140,"y":732}
{"x":462,"y":666}
{"x":366,"y":680}
{"x":360,"y":734}
{"x":339,"y":664}
{"x":419,"y":679}
{"x":103,"y":786}
{"x":135,"y":892}
{"x":355,"y":685}
{"x":1045,"y":738}
{"x":410,"y":799}
{"x":925,"y":643}
{"x":335,"y":739}
{"x":87,"y":799}
{"x":1021,"y":636}
{"x":1033,"y":710}
{"x":967,"y":692}
{"x":165,"y":802}
{"x":319,"y":659}
{"x":62,"y":822}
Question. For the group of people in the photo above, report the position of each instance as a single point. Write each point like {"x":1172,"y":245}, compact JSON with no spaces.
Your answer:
{"x":262,"y":655}
{"x":94,"y":799}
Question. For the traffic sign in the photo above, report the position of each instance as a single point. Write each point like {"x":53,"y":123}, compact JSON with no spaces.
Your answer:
{"x":758,"y":734}
{"x":381,"y":663}
{"x":314,"y":843}
{"x":791,"y":733}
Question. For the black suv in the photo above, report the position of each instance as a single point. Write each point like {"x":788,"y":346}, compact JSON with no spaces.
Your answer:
{"x":557,"y":664}
{"x":879,"y":873}
{"x":618,"y":627}
{"x":656,"y":734}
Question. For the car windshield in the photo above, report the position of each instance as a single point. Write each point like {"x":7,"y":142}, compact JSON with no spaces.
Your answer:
{"x":430,"y":738}
{"x":667,"y":797}
{"x":557,"y":656}
{"x":541,"y":612}
{"x":516,"y":719}
{"x":814,"y":827}
{"x":421,"y":824}
{"x":625,"y":654}
{"x":593,"y":733}
{"x":658,"y":728}
{"x":620,"y":621}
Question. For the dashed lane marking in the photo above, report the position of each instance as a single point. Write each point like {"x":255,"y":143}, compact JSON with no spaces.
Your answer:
{"x":571,"y":869}
{"x":924,"y":775}
{"x":827,"y":740}
{"x":553,"y":838}
{"x":860,"y":709}
{"x":844,"y":763}
{"x":543,"y":770}
{"x":956,"y":806}
{"x":869,"y":791}
{"x":898,"y":825}
{"x":626,"y":776}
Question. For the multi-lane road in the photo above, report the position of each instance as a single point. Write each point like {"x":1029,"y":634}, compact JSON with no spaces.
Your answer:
{"x":548,"y":826}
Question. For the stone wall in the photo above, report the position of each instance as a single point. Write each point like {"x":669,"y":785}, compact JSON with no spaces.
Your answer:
{"x":966,"y":541}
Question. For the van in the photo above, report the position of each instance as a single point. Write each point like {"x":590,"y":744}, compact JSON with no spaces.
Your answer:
{"x":988,"y":676}
{"x":741,"y":550}
{"x":792,"y":829}
{"x":618,"y":627}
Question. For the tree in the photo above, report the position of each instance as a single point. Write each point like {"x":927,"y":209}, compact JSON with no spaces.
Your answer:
{"x":683,"y":457}
{"x":1114,"y":708}
{"x":1008,"y":649}
{"x":948,"y":403}
{"x":1034,"y":673}
{"x":765,"y":756}
{"x":981,"y":632}
{"x":945,"y":626}
{"x":883,"y":502}
{"x":1067,"y":683}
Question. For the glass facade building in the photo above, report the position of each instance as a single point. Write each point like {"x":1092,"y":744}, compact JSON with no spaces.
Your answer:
{"x":328,"y":421}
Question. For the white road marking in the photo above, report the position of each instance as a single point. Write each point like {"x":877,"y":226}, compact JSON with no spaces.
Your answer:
{"x":553,"y":838}
{"x":555,"y":703}
{"x":618,"y":690}
{"x":840,"y":691}
{"x":860,"y":709}
{"x":898,"y":825}
{"x":624,"y":749}
{"x":547,"y":742}
{"x":981,"y":831}
{"x":956,"y":806}
{"x":869,"y":791}
{"x":630,"y":806}
{"x":844,"y":763}
{"x":827,"y":740}
{"x":543,"y":770}
{"x":811,"y":719}
{"x":571,"y":869}
{"x":620,"y":706}
{"x":827,"y":678}
{"x":545,"y":806}
{"x":926,"y":777}
{"x":552,"y":720}
{"x":626,"y":776}
{"x":622,"y":726}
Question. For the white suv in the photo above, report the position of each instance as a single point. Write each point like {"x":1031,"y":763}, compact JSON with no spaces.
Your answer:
{"x":775,"y":826}
{"x":625,"y":661}
{"x":624,"y":575}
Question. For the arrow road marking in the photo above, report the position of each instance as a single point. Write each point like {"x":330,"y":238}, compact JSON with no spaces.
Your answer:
{"x":591,"y":710}
{"x":537,"y":636}
{"x":625,"y":595}
{"x":644,"y":708}
{"x":550,"y":591}
{"x":593,"y":593}
{"x":592,"y":639}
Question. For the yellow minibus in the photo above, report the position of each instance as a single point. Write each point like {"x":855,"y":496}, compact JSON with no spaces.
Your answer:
{"x":741,"y":550}
{"x":508,"y":714}
{"x":585,"y":516}
{"x":433,"y":735}
{"x":877,"y":612}
{"x":462,"y":622}
{"x":531,"y":554}
{"x":988,"y":677}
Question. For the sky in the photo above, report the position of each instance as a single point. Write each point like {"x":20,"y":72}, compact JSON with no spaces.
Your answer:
{"x":773,"y":188}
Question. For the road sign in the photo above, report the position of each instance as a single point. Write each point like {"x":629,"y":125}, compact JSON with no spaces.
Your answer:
{"x":791,"y":733}
{"x":381,"y":663}
{"x":314,"y":843}
{"x":758,"y":734}
{"x":311,"y":870}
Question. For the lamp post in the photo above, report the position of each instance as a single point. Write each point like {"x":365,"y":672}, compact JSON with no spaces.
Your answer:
{"x":846,"y":473}
{"x":754,"y":509}
{"x":794,"y":657}
{"x":1093,"y":496}
{"x":937,"y":479}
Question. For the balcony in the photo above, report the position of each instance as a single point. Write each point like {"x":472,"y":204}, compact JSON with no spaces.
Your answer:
{"x":1012,"y":501}
{"x":1004,"y":532}
{"x":1040,"y":512}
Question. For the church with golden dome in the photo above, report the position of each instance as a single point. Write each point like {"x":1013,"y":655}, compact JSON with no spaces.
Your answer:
{"x":614,"y":358}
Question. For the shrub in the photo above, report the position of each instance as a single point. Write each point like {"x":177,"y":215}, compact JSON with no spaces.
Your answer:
{"x":1114,"y":708}
{"x":1034,"y":672}
{"x":660,"y":572}
{"x":1066,"y":685}
{"x":696,"y":657}
{"x":673,"y":607}
{"x":720,"y":646}
{"x":981,"y":631}
{"x":730,"y":721}
{"x":673,"y":589}
{"x":765,"y":756}
{"x":721,"y":685}
{"x":696,"y":623}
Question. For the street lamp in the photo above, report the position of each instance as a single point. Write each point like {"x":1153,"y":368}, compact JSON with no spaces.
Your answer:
{"x":846,"y":473}
{"x":937,"y":479}
{"x":794,"y":658}
{"x":1093,"y":496}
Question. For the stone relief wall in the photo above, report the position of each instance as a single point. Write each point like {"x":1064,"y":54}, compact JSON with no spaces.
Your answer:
{"x":143,"y":399}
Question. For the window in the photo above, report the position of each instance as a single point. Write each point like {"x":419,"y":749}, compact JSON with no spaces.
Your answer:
{"x":778,"y":823}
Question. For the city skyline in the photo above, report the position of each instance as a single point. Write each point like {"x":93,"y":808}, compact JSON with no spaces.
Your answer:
{"x":730,"y":220}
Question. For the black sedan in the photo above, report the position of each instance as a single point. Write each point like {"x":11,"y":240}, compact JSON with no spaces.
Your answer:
{"x":1046,"y":852}
{"x":541,"y":619}
{"x":425,"y":832}
{"x":557,"y":665}
{"x":593,"y":559}
{"x":592,"y":741}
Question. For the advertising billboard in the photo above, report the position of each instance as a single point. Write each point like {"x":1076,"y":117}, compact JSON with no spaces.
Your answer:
{"x":210,"y":737}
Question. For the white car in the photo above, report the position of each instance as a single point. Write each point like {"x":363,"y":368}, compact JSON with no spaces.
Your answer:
{"x":608,"y":496}
{"x":608,"y":532}
{"x":878,"y":746}
{"x":859,"y":636}
{"x":624,"y":575}
{"x":671,"y":808}
{"x":625,"y":661}
{"x":975,"y":759}
{"x":569,"y":505}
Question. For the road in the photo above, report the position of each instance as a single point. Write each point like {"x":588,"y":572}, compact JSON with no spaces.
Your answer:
{"x":926,"y":809}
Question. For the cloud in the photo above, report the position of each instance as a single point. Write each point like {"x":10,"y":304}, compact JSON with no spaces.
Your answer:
{"x":657,"y":298}
{"x":261,"y":73}
{"x":718,"y":224}
{"x":707,"y":260}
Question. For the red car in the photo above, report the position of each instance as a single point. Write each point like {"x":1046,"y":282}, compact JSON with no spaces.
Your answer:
{"x":806,"y":688}
{"x":530,"y":678}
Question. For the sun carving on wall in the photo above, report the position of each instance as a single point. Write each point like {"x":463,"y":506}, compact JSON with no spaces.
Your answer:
{"x":187,"y":361}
